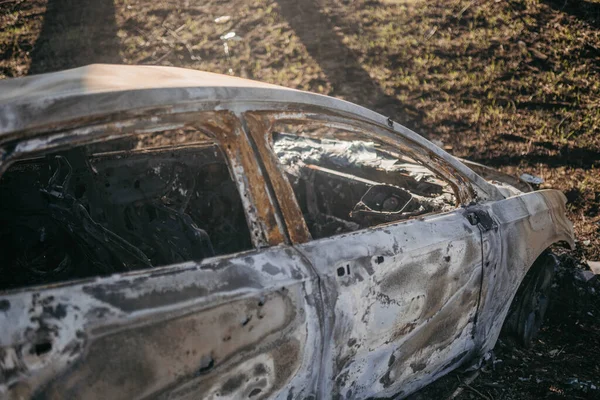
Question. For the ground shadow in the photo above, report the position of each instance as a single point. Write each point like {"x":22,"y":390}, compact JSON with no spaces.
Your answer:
{"x":586,"y":11}
{"x":577,"y":157}
{"x":339,"y":63}
{"x":76,"y":33}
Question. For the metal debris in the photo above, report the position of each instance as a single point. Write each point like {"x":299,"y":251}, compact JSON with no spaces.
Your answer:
{"x":532,"y":179}
{"x":223,"y":19}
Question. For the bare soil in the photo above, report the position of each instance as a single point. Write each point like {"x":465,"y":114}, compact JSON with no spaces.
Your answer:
{"x":512,"y":84}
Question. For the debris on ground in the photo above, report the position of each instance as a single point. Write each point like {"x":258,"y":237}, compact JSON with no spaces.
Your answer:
{"x":531,"y":179}
{"x":223,"y":19}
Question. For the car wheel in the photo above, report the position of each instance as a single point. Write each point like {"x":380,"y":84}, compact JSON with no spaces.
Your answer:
{"x":529,"y":306}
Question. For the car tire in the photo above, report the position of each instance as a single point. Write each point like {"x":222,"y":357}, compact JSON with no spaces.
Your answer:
{"x":528,"y":309}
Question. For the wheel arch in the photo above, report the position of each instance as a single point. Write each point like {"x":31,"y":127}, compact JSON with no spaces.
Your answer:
{"x":529,"y":302}
{"x":527,"y":226}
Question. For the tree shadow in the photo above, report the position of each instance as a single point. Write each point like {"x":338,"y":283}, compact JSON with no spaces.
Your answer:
{"x":584,"y":10}
{"x":341,"y":64}
{"x":76,"y":33}
{"x":577,"y":157}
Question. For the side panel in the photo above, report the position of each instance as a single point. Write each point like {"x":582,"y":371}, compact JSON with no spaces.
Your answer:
{"x":400,"y":303}
{"x":527,"y":225}
{"x":234,"y":327}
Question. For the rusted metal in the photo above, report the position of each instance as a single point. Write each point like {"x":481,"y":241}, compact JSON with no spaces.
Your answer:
{"x":259,"y":128}
{"x":244,"y":166}
{"x":377,"y":312}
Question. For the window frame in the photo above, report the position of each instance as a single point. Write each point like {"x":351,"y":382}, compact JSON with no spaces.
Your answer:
{"x":260,"y":125}
{"x":223,"y":126}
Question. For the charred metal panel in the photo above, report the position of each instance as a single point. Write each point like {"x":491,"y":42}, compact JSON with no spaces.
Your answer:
{"x":400,"y":303}
{"x":527,"y":225}
{"x":233,"y":327}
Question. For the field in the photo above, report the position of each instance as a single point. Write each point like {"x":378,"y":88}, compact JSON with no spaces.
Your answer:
{"x":513,"y":84}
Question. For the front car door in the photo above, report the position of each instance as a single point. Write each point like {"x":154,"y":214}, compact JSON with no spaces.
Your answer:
{"x":400,"y":263}
{"x":184,"y":285}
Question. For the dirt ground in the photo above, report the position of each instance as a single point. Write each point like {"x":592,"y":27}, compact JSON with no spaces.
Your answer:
{"x":513,"y":84}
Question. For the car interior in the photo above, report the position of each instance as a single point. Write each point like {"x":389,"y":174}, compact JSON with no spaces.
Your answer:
{"x":117,"y":206}
{"x":346,"y":185}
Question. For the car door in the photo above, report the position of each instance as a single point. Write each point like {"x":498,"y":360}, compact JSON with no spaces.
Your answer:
{"x":241,"y":324}
{"x":400,"y":298}
{"x":400,"y":303}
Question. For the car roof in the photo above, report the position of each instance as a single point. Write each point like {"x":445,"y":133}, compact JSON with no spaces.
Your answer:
{"x":97,"y":78}
{"x":40,"y":100}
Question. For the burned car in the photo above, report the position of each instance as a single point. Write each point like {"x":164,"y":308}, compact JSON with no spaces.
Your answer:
{"x":168,"y":233}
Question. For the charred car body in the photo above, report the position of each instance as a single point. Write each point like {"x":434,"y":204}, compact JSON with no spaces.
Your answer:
{"x":176,"y":234}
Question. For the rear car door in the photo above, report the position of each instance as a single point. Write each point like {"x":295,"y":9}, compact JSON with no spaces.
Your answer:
{"x":400,"y":265}
{"x":151,"y":265}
